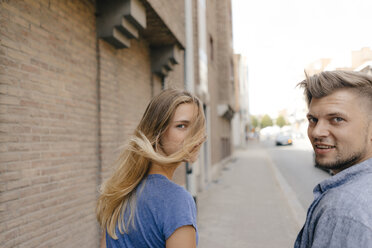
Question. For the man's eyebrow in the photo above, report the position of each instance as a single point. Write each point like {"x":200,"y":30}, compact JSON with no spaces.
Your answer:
{"x":332,"y":114}
{"x":336,"y":114}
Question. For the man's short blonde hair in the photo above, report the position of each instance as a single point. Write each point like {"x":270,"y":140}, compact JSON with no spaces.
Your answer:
{"x":327,"y":82}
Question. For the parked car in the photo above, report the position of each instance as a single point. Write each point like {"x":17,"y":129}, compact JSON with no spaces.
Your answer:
{"x":283,"y":139}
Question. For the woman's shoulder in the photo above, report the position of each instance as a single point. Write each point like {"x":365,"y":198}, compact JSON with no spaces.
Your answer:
{"x":161,"y":188}
{"x":162,"y":182}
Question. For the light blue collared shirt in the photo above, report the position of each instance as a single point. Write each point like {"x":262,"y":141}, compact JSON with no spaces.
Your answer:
{"x":341,"y":213}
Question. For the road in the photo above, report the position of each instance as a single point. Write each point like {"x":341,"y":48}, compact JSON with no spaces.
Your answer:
{"x":295,"y":163}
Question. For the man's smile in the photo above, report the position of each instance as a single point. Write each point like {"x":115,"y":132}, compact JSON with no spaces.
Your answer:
{"x":323,"y":148}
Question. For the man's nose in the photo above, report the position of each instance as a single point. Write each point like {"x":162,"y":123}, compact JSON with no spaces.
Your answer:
{"x":319,"y":130}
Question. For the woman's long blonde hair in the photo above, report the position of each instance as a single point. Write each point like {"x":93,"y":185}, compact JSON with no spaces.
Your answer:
{"x":118,"y":192}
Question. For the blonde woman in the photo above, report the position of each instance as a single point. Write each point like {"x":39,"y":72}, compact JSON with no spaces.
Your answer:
{"x":139,"y":205}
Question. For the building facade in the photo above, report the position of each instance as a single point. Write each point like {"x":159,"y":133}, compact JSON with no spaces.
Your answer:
{"x":75,"y":78}
{"x":241,"y":120}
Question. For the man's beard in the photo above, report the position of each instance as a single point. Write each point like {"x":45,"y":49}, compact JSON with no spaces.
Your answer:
{"x":339,"y":164}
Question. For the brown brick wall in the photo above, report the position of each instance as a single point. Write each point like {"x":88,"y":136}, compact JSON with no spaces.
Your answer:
{"x":125,"y":92}
{"x":49,"y":119}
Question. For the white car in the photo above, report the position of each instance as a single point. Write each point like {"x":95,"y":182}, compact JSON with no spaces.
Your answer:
{"x":283,"y":139}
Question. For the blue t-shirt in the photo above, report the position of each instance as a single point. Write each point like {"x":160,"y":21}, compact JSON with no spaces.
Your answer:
{"x":162,"y":207}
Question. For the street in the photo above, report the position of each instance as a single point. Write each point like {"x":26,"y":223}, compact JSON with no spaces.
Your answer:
{"x":296,"y":164}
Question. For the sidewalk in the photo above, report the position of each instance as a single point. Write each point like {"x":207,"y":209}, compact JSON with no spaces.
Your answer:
{"x":250,"y":206}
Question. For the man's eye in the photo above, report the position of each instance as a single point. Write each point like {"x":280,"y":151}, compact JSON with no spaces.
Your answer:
{"x":338,"y":119}
{"x":312,"y":120}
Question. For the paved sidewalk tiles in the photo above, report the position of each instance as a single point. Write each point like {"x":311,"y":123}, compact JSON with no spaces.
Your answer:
{"x":248,"y":206}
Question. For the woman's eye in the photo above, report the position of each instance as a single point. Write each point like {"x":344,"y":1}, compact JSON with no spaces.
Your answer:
{"x":181,"y":126}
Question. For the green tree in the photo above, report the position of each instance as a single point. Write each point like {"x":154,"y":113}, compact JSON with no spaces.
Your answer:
{"x":280,"y":121}
{"x":255,"y":122}
{"x":266,"y":121}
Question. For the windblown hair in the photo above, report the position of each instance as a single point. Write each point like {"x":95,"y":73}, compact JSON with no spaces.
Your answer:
{"x":118,"y":193}
{"x":327,"y":82}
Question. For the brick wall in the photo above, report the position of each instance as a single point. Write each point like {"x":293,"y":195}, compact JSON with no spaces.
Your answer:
{"x":48,"y":119}
{"x":53,"y":139}
{"x":125,"y":92}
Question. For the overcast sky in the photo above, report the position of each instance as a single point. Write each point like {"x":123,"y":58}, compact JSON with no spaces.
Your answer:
{"x":279,"y":38}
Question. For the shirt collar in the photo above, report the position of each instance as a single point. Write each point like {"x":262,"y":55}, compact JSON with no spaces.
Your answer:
{"x":344,"y":176}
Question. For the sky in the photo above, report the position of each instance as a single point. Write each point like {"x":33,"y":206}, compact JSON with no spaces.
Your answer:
{"x":280,"y":38}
